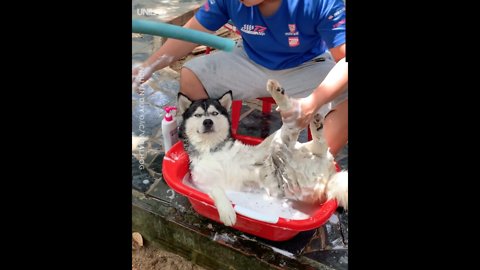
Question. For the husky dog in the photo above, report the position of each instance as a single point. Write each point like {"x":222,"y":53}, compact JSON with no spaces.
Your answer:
{"x":280,"y":165}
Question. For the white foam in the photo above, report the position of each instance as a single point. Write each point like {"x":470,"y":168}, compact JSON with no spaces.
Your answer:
{"x":283,"y":252}
{"x":262,"y":207}
{"x":255,"y":215}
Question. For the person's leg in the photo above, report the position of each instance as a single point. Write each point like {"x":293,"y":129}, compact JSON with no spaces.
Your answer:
{"x":191,"y":86}
{"x":336,"y":127}
{"x":300,"y":81}
{"x":214,"y":74}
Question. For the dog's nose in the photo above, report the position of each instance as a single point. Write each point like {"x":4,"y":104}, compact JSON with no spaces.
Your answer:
{"x":207,"y":123}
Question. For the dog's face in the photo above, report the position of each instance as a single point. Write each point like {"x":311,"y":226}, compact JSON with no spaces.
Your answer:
{"x":206,"y":123}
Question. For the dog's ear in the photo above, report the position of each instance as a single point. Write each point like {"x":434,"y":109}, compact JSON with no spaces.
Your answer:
{"x":183,"y":102}
{"x":226,"y":100}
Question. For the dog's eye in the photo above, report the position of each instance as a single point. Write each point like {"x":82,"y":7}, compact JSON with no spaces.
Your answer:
{"x":198,"y":115}
{"x":214,"y":113}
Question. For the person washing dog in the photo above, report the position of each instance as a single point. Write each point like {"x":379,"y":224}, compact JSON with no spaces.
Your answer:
{"x":300,"y":43}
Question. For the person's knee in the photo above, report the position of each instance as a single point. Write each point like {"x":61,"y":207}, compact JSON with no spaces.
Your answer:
{"x":191,"y":86}
{"x":336,"y":144}
{"x":336,"y":128}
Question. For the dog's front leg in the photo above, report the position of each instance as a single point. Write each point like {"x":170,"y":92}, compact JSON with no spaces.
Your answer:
{"x":288,"y":134}
{"x":224,"y":206}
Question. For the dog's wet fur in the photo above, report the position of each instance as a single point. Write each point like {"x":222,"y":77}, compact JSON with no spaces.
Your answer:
{"x":280,"y":164}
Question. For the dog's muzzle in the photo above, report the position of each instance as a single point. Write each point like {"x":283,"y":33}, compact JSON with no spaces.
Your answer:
{"x":207,"y":125}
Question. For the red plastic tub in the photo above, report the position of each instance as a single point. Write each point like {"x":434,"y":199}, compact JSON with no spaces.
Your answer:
{"x":175,"y":168}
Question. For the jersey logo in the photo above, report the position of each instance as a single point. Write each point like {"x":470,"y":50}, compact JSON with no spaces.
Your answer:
{"x":292,"y":28}
{"x":254,"y":29}
{"x":293,"y":41}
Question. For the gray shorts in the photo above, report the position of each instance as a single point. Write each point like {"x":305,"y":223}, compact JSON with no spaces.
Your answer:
{"x":223,"y":71}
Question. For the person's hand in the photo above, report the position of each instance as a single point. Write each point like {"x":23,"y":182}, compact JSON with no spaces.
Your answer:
{"x":140,"y":74}
{"x":301,"y":112}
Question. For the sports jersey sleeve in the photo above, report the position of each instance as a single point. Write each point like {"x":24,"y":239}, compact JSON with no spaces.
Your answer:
{"x":332,"y":23}
{"x":213,"y":14}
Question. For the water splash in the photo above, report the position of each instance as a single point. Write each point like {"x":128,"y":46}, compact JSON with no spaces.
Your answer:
{"x":171,"y":196}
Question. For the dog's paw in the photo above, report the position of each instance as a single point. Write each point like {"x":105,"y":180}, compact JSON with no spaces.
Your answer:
{"x":316,"y":126}
{"x":224,"y":206}
{"x":278,"y":94}
{"x":274,"y":87}
{"x":227,"y":214}
{"x":317,"y":121}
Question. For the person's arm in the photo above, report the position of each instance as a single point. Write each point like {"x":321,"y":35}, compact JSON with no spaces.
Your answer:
{"x":335,"y":81}
{"x":171,"y":51}
{"x":175,"y":49}
{"x":333,"y":84}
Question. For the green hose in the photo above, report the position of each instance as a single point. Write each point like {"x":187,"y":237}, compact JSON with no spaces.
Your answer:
{"x":178,"y":32}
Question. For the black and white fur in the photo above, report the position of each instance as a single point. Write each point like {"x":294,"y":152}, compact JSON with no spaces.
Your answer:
{"x":280,"y":164}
